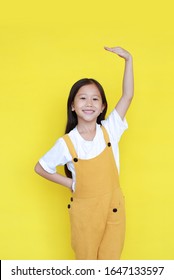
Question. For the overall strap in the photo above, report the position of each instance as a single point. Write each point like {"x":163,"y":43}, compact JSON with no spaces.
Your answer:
{"x":106,"y":136}
{"x":70,"y":146}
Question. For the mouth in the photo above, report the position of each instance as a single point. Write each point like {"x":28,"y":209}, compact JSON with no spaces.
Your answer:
{"x":88,"y":111}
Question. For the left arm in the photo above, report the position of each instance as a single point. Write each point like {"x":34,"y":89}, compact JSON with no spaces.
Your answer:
{"x":128,"y":81}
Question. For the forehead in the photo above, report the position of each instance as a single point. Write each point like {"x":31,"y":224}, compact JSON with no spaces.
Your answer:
{"x":89,"y":89}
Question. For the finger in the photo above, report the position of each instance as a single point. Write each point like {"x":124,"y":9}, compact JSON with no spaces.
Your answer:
{"x":109,"y":49}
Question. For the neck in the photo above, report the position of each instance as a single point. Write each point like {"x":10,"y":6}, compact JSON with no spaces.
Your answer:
{"x":87,"y":130}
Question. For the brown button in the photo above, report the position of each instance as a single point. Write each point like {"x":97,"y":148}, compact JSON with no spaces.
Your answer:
{"x":109,"y":144}
{"x":71,"y":198}
{"x":115,"y":210}
{"x":69,"y":206}
{"x":75,"y":159}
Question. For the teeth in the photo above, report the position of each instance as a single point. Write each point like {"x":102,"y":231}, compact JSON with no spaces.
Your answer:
{"x":88,"y":111}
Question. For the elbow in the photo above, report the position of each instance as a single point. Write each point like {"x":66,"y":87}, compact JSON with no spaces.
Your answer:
{"x":37,"y":168}
{"x":130,"y":97}
{"x":131,"y":93}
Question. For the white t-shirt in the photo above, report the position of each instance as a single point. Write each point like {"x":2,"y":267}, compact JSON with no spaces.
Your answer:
{"x":60,"y":155}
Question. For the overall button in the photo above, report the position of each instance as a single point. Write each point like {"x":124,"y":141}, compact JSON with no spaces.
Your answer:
{"x":109,"y":144}
{"x":71,"y":198}
{"x":115,"y":210}
{"x":69,"y":206}
{"x":75,"y":159}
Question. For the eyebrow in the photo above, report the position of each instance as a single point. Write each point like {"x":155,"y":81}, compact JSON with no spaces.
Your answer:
{"x":95,"y":95}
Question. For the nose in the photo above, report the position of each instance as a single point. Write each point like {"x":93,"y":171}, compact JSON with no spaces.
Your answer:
{"x":89,"y":102}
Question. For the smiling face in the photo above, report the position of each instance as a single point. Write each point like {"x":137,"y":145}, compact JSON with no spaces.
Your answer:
{"x":88,"y":103}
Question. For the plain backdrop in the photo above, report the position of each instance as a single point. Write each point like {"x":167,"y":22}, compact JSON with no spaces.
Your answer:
{"x":45,"y":46}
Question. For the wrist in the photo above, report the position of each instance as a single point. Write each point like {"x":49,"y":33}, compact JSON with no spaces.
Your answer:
{"x":129,"y":58}
{"x":71,"y":184}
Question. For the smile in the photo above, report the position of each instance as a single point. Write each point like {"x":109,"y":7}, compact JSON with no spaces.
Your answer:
{"x":88,"y":111}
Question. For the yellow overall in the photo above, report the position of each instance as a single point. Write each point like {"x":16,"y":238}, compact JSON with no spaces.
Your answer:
{"x":97,"y":212}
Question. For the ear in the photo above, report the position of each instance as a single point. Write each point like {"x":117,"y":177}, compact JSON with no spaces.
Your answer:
{"x":72,"y":107}
{"x":103,"y":106}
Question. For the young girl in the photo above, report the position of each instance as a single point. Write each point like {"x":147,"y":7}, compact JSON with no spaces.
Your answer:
{"x":89,"y":151}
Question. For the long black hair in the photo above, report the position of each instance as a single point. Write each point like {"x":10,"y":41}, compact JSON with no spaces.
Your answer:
{"x":71,"y":115}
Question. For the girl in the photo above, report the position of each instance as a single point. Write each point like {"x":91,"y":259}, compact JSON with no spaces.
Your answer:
{"x":89,"y":151}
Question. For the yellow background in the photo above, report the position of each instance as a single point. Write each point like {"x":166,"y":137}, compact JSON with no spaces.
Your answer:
{"x":45,"y":46}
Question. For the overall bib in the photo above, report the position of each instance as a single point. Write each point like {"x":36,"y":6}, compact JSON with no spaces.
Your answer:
{"x":97,"y":212}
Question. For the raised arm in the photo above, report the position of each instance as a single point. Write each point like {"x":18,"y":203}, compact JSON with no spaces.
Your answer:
{"x":128,"y":81}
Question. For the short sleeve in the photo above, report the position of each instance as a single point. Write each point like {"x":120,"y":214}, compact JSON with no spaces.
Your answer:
{"x":115,"y":125}
{"x":57,"y":155}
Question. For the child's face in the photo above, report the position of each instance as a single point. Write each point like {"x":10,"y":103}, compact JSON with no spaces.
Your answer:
{"x":88,"y":103}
